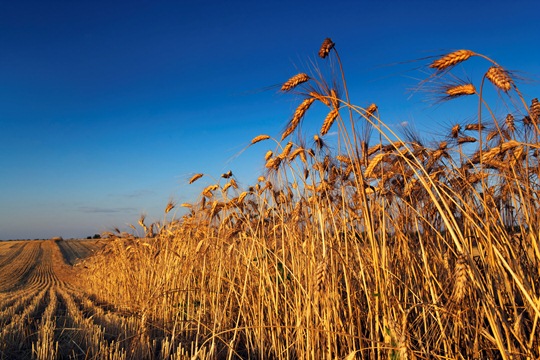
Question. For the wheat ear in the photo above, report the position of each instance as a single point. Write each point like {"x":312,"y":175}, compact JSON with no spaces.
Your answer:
{"x":320,"y":275}
{"x":195,"y":178}
{"x":500,"y":78}
{"x":294,"y":81}
{"x":510,"y":123}
{"x":460,"y":90}
{"x":474,"y":127}
{"x":371,"y":109}
{"x":534,"y":110}
{"x":319,"y":97}
{"x":326,"y":46}
{"x":494,"y":152}
{"x":451,"y":59}
{"x":259,"y":138}
{"x":454,"y":132}
{"x":466,"y":139}
{"x":373,"y":163}
{"x":460,"y":279}
{"x":169,"y":207}
{"x":297,"y":116}
{"x":328,"y":121}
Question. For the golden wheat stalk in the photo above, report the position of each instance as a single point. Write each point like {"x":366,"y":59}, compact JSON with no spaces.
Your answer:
{"x":320,"y":275}
{"x":227,"y":175}
{"x":451,"y":59}
{"x":435,"y":156}
{"x":334,"y":99}
{"x":141,"y":219}
{"x":460,"y":279}
{"x":476,"y":177}
{"x":534,"y":110}
{"x":373,"y":163}
{"x":498,"y":150}
{"x":286,"y":150}
{"x":319,"y":97}
{"x":454,"y":132}
{"x":294,"y":81}
{"x":492,"y":135}
{"x":409,"y":187}
{"x":466,"y":139}
{"x":297,"y":116}
{"x":395,"y":145}
{"x":273,"y":163}
{"x":326,"y":46}
{"x":516,"y":156}
{"x":371,"y":109}
{"x":329,"y":121}
{"x":242,"y":196}
{"x":226,"y":186}
{"x":259,"y":138}
{"x":495,"y":164}
{"x":443,"y":145}
{"x":344,"y":159}
{"x":372,"y":150}
{"x":169,"y":207}
{"x":500,"y":78}
{"x":474,"y":127}
{"x":195,"y":178}
{"x":460,"y":90}
{"x":298,"y":152}
{"x":403,"y":344}
{"x":318,"y":141}
{"x":323,"y":187}
{"x":208,"y":190}
{"x":510,"y":123}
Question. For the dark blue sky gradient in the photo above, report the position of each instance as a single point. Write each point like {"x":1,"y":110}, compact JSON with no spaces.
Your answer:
{"x":107,"y":108}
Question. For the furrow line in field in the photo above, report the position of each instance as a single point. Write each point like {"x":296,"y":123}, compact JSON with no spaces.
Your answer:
{"x":17,"y":307}
{"x":88,"y":336}
{"x":45,"y":347}
{"x":16,"y":337}
{"x":14,"y":251}
{"x":20,"y":270}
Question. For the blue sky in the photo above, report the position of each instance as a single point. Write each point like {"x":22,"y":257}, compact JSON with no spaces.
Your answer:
{"x":108,"y":107}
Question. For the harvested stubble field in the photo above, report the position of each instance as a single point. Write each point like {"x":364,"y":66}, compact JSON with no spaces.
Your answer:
{"x":364,"y":244}
{"x":41,"y":305}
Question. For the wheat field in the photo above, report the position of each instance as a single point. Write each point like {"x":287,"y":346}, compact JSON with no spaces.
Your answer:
{"x":42,"y":310}
{"x":358,"y":241}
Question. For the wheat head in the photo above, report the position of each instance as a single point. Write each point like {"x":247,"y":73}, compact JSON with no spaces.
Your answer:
{"x":460,"y":90}
{"x":259,"y":138}
{"x":294,"y":81}
{"x":329,"y":121}
{"x":195,"y":178}
{"x":460,"y":279}
{"x":326,"y":46}
{"x":297,"y":116}
{"x":451,"y":59}
{"x":500,"y":78}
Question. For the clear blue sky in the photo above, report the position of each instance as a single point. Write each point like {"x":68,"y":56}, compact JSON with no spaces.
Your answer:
{"x":108,"y":107}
